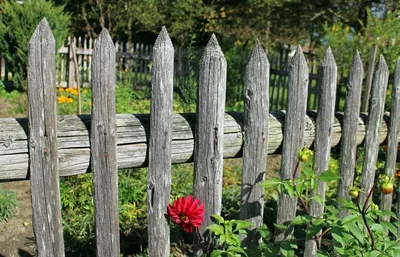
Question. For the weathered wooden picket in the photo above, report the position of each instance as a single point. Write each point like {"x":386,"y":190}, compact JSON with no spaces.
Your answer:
{"x":44,"y":146}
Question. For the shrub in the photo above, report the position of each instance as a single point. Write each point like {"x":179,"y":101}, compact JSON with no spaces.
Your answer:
{"x":8,"y":204}
{"x":17,"y":24}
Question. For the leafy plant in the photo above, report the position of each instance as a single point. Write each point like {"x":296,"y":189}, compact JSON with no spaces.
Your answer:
{"x":8,"y":204}
{"x":227,"y":234}
{"x":17,"y":24}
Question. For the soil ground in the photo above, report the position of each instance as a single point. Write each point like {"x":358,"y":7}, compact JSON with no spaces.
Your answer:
{"x":16,"y":234}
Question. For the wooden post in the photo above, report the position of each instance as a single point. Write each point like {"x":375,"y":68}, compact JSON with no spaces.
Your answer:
{"x":375,"y":117}
{"x":159,"y":181}
{"x":368,"y":81}
{"x":43,"y":156}
{"x":255,"y":127}
{"x":391,"y":151}
{"x":71,"y":67}
{"x":292,"y":138}
{"x":348,"y":147}
{"x":208,"y":151}
{"x":77,"y":76}
{"x":103,"y":145}
{"x":327,"y":77}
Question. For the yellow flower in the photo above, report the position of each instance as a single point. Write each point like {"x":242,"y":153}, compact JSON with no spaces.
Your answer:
{"x":70,"y":100}
{"x":238,"y":43}
{"x":347,"y":29}
{"x":61,"y":99}
{"x":74,"y":92}
{"x":60,"y":89}
{"x":68,"y":89}
{"x":90,"y":103}
{"x":84,"y":91}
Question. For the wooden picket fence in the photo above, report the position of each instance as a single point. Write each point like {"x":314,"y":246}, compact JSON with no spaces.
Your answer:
{"x":44,"y":146}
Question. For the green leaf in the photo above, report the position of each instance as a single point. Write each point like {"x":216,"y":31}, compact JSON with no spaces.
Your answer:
{"x":301,"y":219}
{"x":328,"y":176}
{"x":216,"y":229}
{"x":357,"y":232}
{"x":236,"y":249}
{"x":288,"y":189}
{"x":218,"y":218}
{"x":351,"y":218}
{"x":389,"y":226}
{"x":314,"y":230}
{"x":233,"y":240}
{"x":286,"y":249}
{"x":377,"y":227}
{"x":243,"y":224}
{"x":280,"y":226}
{"x":322,"y":254}
{"x":270,"y":183}
{"x":374,"y":254}
{"x":338,"y":235}
{"x":216,"y":253}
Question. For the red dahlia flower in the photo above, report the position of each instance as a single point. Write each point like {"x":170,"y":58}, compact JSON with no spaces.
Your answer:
{"x":186,"y":212}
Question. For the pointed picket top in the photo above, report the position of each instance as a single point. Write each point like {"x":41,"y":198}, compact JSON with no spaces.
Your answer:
{"x":328,"y":59}
{"x":212,"y":48}
{"x":163,"y":38}
{"x":105,"y":39}
{"x":43,"y":31}
{"x":258,"y":52}
{"x":298,"y":58}
{"x":381,"y":65}
{"x":356,"y":62}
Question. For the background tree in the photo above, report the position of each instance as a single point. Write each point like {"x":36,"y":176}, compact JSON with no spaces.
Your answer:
{"x":17,"y":24}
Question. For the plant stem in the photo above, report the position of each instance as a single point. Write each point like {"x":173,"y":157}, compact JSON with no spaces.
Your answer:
{"x":363,"y":213}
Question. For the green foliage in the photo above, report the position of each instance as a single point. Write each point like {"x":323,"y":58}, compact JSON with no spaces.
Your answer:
{"x":380,"y":30}
{"x":8,"y":204}
{"x":17,"y":24}
{"x":14,"y":101}
{"x":227,"y":234}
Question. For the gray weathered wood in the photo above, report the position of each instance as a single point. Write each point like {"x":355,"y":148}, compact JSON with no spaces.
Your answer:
{"x":368,"y":80}
{"x":103,"y":141}
{"x":255,"y":130}
{"x":292,"y":138}
{"x":44,"y":177}
{"x":371,"y":146}
{"x":392,"y":144}
{"x":348,"y":146}
{"x":322,"y":144}
{"x":159,"y":178}
{"x":208,"y":153}
{"x":74,"y":151}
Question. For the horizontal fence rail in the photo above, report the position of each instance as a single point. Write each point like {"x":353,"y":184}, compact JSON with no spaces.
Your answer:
{"x":132,"y":134}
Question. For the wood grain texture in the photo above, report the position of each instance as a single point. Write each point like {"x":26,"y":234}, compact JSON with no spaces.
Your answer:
{"x":103,"y":141}
{"x":292,"y":138}
{"x":255,"y":130}
{"x":132,"y":133}
{"x":208,"y":153}
{"x":392,"y":144}
{"x":371,"y":146}
{"x":44,"y":176}
{"x":159,"y":178}
{"x":322,"y":145}
{"x":348,"y":147}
